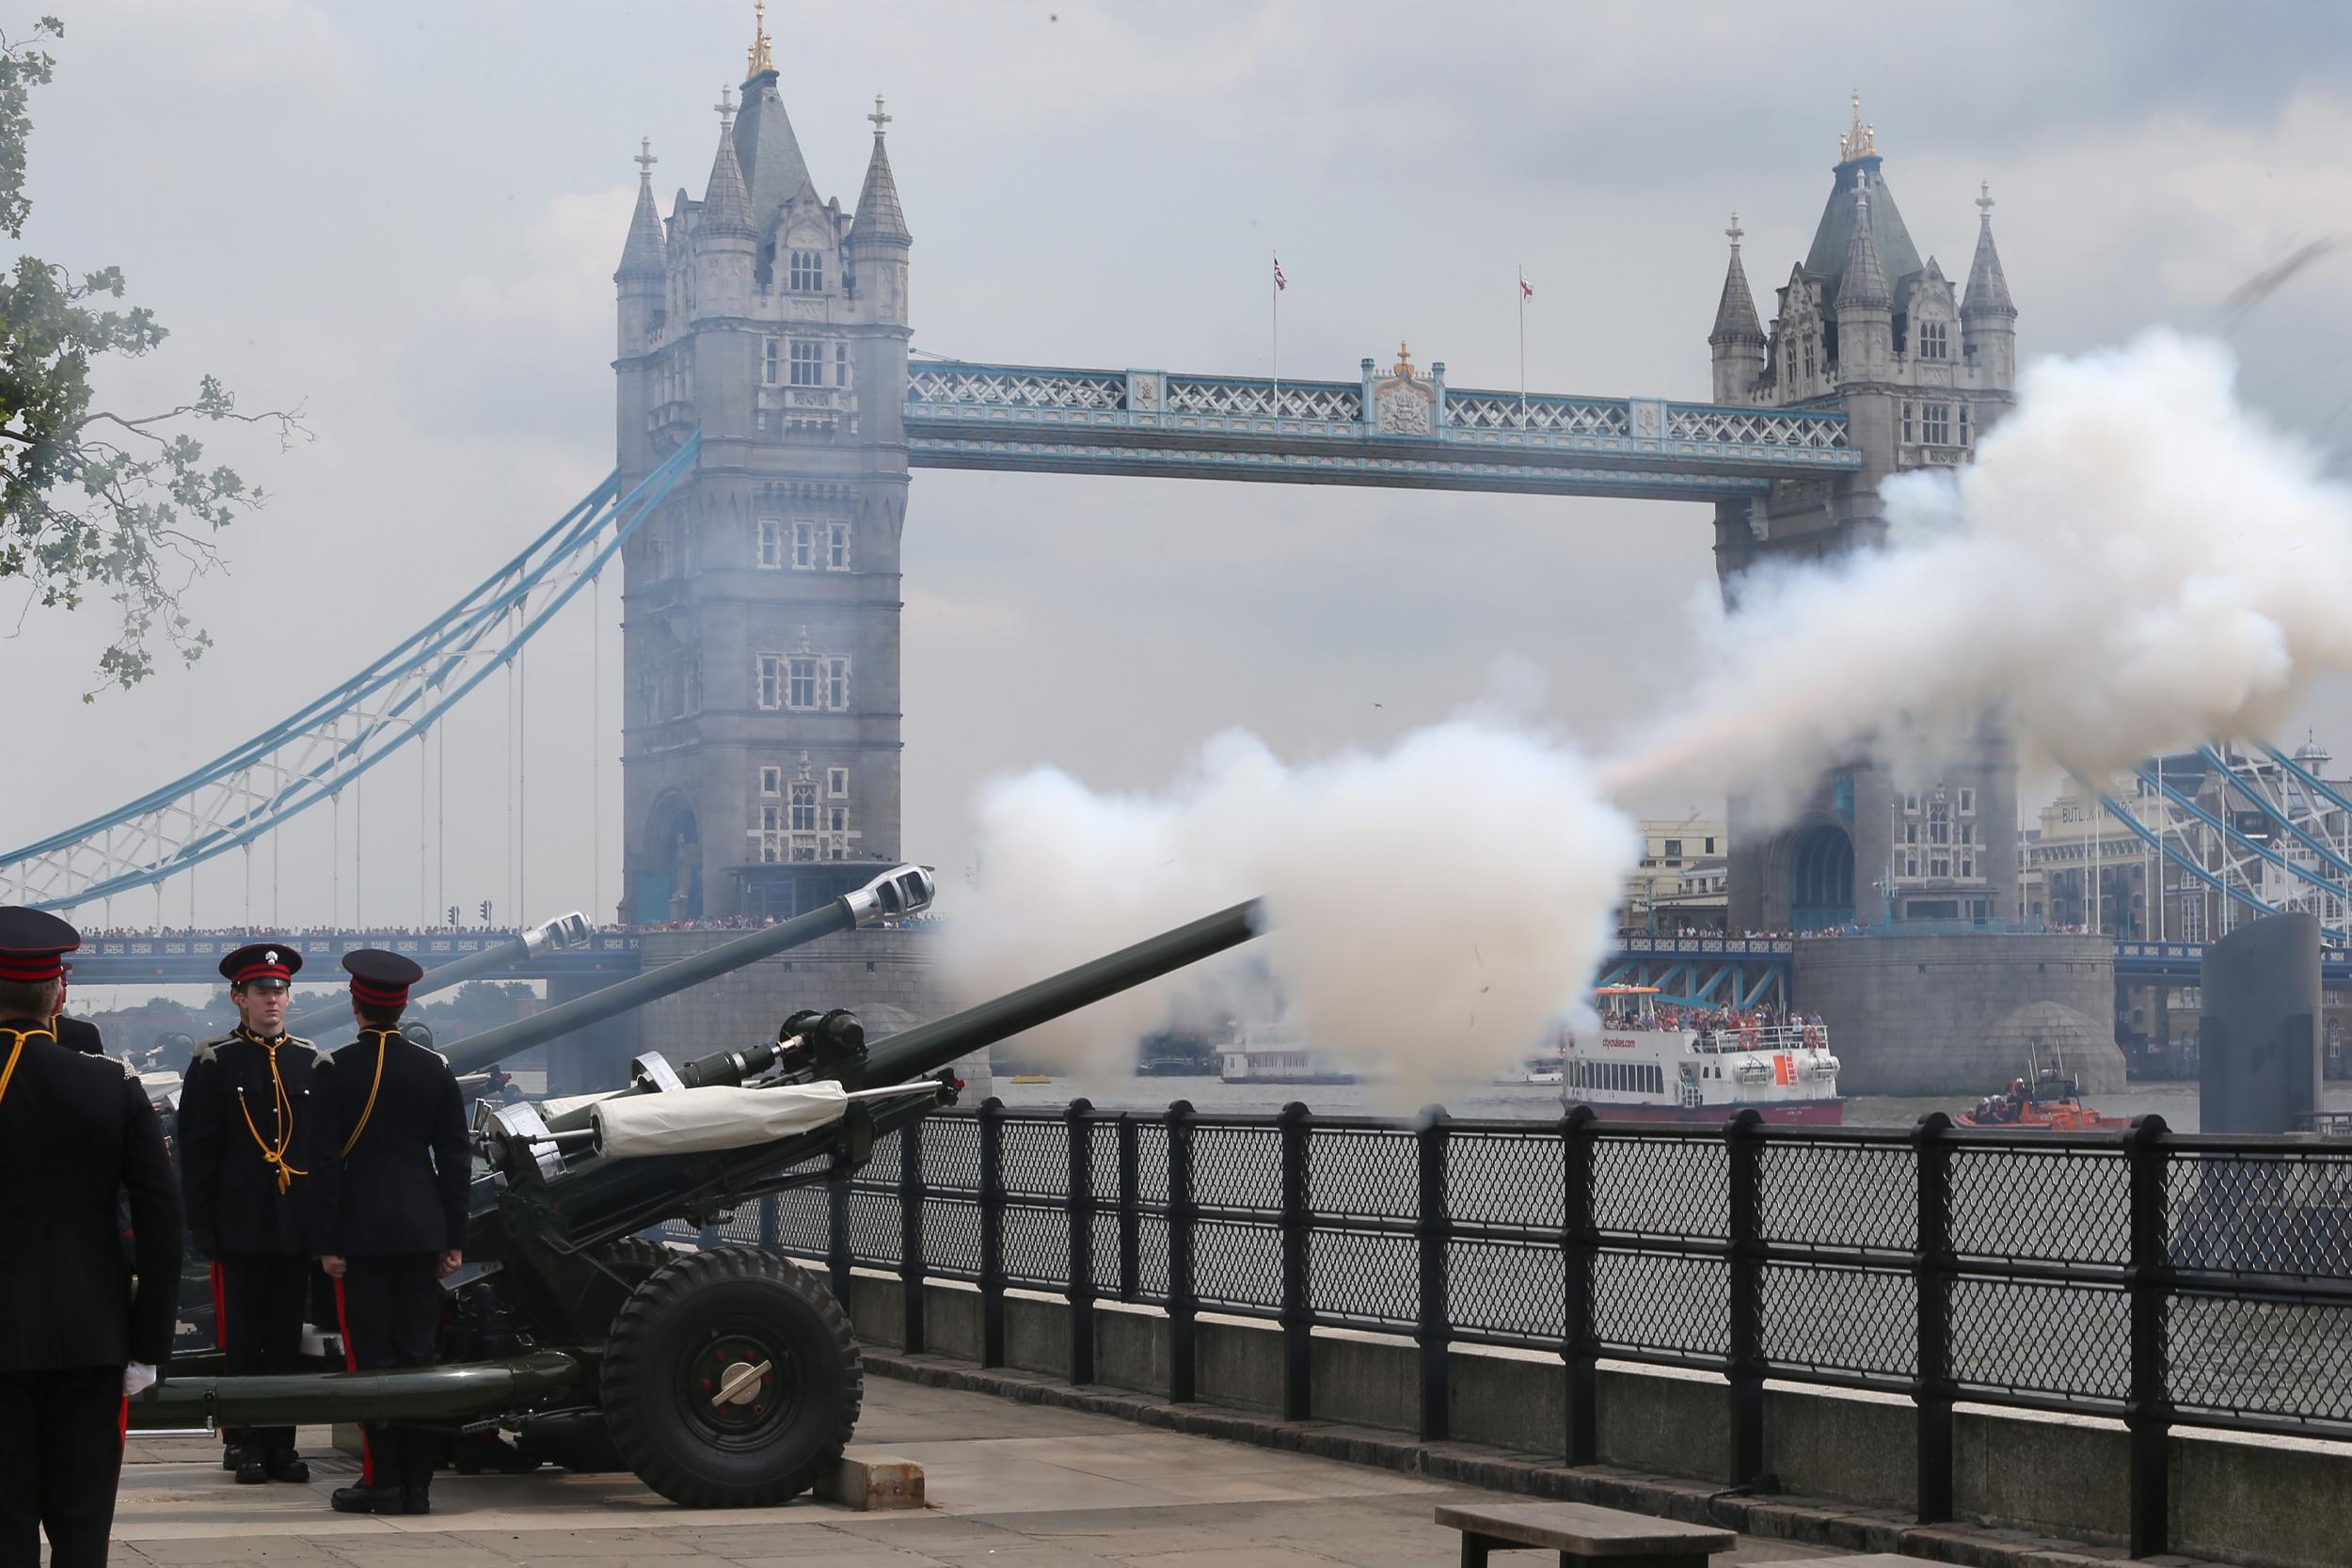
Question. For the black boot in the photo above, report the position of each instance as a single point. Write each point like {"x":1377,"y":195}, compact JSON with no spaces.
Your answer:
{"x":369,"y":1499}
{"x":231,"y":1456}
{"x":420,"y":1450}
{"x":250,"y":1470}
{"x":415,"y":1499}
{"x":284,"y":1465}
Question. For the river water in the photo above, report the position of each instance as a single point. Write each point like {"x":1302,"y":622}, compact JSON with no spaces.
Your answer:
{"x":2175,"y":1101}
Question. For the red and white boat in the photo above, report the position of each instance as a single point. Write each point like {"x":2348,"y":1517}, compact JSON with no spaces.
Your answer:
{"x":1641,"y":1067}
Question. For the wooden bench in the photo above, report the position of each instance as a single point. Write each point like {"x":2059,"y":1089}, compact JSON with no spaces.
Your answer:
{"x":1584,"y":1535}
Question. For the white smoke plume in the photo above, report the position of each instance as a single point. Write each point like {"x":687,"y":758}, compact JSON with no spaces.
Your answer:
{"x":2133,"y":560}
{"x":1433,"y":909}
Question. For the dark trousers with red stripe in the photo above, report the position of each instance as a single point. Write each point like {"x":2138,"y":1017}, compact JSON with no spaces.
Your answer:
{"x":261,"y":1297}
{"x":60,"y":1456}
{"x":391,"y":1317}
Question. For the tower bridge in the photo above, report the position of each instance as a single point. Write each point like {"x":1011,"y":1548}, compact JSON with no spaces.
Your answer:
{"x":769,"y":420}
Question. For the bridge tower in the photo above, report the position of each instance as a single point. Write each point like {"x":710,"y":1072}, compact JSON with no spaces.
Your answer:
{"x":1864,"y":325}
{"x":760,"y":744}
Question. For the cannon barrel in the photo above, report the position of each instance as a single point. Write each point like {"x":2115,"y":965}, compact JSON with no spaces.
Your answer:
{"x":565,"y":930}
{"x":438,"y":1393}
{"x":928,"y":1047}
{"x":604,"y":1197}
{"x":902,"y":890}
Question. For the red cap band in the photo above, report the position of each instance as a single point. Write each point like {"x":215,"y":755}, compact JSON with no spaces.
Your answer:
{"x":261,"y":972}
{"x":30,"y":969}
{"x":373,"y":996}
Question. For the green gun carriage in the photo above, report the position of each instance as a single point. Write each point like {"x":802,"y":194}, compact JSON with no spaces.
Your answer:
{"x":720,"y":1378}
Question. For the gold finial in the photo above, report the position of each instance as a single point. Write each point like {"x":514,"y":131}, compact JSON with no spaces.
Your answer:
{"x":1734,"y":232}
{"x":1404,"y":366}
{"x":879,"y":118}
{"x":1860,"y":142}
{"x":757,"y":58}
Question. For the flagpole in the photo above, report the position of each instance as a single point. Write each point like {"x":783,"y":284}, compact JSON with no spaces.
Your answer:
{"x":1274,"y":286}
{"x":1522,"y":347}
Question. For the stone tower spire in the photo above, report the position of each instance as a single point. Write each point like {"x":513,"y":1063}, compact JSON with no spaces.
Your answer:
{"x":1862,"y":282}
{"x":1866,"y":315}
{"x":878,"y":214}
{"x":1737,"y":339}
{"x":644,"y":255}
{"x":1988,"y":317}
{"x":726,"y":204}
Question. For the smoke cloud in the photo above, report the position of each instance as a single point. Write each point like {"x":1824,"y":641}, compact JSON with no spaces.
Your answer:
{"x":2133,"y":561}
{"x":1433,"y":909}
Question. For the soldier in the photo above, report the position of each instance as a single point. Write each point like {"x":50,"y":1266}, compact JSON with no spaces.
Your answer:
{"x":76,"y":1337}
{"x":390,"y":1165}
{"x":75,"y":1034}
{"x":241,"y":1111}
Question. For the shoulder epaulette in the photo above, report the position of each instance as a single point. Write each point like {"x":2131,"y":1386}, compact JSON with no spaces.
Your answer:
{"x":297,"y":1040}
{"x":205,"y":1048}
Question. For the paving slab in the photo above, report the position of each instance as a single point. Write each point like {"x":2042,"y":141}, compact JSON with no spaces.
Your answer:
{"x":1007,"y":1483}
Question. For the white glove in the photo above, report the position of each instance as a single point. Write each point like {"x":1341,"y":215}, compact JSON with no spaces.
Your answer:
{"x":137,"y":1376}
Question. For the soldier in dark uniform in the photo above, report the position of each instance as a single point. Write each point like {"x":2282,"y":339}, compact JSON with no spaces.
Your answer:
{"x":241,"y":1109}
{"x":75,"y":1034}
{"x":390,"y":1166}
{"x":76,"y":1337}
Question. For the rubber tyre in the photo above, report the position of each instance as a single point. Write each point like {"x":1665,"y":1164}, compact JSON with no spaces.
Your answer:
{"x":637,"y":1259}
{"x":725,"y":1304}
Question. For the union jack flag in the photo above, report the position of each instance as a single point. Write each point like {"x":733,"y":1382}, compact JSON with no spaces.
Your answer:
{"x":1527,"y":289}
{"x":1279,"y":281}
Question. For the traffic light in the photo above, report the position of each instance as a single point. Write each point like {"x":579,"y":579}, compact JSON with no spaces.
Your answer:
{"x":486,"y":911}
{"x":453,"y":914}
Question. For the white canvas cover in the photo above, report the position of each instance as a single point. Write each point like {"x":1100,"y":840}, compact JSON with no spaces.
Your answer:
{"x":688,"y":1122}
{"x":565,"y":1104}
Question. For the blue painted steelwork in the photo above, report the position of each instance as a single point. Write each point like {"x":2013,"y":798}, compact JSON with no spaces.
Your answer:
{"x":2252,"y":847}
{"x":2184,"y":962}
{"x":308,"y":757}
{"x":1062,"y":419}
{"x":195,"y":960}
{"x":2310,"y":781}
{"x":2155,"y":841}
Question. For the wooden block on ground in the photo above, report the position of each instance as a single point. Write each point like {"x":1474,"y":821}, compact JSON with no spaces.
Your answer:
{"x":873,"y":1481}
{"x":1582,"y":1529}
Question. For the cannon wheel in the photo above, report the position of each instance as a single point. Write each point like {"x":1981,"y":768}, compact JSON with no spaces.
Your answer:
{"x":585,"y":1446}
{"x":672,"y":1349}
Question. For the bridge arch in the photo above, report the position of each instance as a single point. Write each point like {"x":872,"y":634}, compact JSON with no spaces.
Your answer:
{"x":1820,"y":876}
{"x":669,"y":884}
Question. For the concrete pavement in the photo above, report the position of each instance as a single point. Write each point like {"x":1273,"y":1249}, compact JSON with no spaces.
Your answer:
{"x":1007,"y":1484}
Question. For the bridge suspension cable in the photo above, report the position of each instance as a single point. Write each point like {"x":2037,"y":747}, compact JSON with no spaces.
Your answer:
{"x":326,"y":745}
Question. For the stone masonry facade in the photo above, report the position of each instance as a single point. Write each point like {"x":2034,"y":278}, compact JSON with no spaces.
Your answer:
{"x":1921,"y":370}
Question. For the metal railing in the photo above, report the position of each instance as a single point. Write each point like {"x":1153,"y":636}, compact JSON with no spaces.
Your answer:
{"x":2163,"y":1281}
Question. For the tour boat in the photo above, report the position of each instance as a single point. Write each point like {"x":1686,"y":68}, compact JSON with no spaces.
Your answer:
{"x":1543,"y":1068}
{"x":1637,"y":1067}
{"x":1271,"y":1053}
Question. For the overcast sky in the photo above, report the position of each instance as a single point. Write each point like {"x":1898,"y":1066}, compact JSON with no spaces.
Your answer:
{"x":406,"y":217}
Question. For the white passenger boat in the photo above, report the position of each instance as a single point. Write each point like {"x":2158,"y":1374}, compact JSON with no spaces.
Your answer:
{"x":1641,"y":1065}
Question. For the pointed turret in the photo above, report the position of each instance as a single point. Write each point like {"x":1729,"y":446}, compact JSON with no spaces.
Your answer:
{"x":1737,"y":339}
{"x":1988,"y":317}
{"x":643,"y":254}
{"x":878,"y":214}
{"x":878,"y":237}
{"x":1988,"y":287}
{"x":1861,"y":281}
{"x":726,"y":205}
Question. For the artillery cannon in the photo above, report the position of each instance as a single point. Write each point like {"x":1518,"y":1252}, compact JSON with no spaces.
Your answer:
{"x":724,"y":1378}
{"x":564,"y":931}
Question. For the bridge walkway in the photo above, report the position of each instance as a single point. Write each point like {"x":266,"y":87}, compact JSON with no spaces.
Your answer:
{"x":1007,"y":1483}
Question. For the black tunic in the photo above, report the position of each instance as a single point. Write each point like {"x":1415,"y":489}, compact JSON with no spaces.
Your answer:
{"x":401,"y":1188}
{"x":76,"y":1133}
{"x":234,"y":1121}
{"x":80,"y":1034}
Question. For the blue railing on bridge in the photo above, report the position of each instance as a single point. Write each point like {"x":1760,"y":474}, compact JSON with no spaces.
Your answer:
{"x":194,"y":958}
{"x":1386,"y":428}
